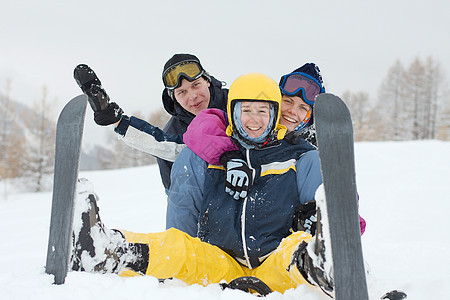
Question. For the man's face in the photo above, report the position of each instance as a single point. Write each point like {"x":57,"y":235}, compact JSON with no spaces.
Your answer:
{"x":193,"y":96}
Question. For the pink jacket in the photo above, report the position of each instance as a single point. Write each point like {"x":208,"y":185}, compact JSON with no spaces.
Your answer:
{"x":206,"y":135}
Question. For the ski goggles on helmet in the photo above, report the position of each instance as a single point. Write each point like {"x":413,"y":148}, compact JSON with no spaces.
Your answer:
{"x":191,"y":70}
{"x":297,"y":83}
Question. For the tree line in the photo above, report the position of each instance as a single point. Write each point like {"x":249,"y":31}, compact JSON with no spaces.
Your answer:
{"x":413,"y":103}
{"x":26,"y":141}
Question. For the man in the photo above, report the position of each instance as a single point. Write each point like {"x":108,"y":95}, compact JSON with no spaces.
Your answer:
{"x":189,"y":89}
{"x":249,"y":237}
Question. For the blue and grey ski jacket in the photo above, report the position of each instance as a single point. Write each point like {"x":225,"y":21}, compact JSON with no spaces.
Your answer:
{"x":285,"y":175}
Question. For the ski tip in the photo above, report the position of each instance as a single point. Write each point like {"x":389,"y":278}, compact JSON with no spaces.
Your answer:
{"x":322,"y":96}
{"x":73,"y":109}
{"x":394,"y":295}
{"x":325,"y":98}
{"x":332,"y":108}
{"x":79,"y":102}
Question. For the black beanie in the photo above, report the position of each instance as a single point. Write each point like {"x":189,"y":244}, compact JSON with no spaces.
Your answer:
{"x":312,"y":70}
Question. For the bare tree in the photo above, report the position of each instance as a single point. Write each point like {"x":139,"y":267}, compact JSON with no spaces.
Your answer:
{"x":358,"y":104}
{"x":12,"y":162}
{"x":391,"y":98}
{"x":443,"y":126}
{"x":415,"y":78}
{"x":12,"y":139}
{"x":40,"y":158}
{"x":435,"y":91}
{"x":410,"y":99}
{"x":6,"y":133}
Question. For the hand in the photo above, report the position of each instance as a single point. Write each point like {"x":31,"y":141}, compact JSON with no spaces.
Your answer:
{"x":109,"y":116}
{"x":239,"y":176}
{"x":305,"y":217}
{"x":91,"y":86}
{"x":105,"y":113}
{"x":98,"y":98}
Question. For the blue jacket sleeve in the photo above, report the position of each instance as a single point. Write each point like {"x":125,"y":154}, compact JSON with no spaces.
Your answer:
{"x":309,"y":175}
{"x":186,"y":192}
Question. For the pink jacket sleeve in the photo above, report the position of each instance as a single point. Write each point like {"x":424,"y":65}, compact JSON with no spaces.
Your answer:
{"x":362,"y":225}
{"x":206,"y":136}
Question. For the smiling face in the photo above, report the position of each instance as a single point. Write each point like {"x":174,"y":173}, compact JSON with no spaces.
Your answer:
{"x":193,"y":96}
{"x":255,"y":117}
{"x":293,"y":111}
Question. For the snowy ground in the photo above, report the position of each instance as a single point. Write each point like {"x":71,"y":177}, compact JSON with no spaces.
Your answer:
{"x":404,"y":192}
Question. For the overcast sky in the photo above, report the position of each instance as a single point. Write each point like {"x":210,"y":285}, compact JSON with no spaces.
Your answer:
{"x":127,"y":42}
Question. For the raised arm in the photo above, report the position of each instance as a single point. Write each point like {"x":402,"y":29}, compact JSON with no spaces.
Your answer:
{"x":134,"y":132}
{"x":145,"y":137}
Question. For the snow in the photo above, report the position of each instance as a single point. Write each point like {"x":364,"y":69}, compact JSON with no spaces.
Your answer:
{"x":404,"y":196}
{"x":321,"y":203}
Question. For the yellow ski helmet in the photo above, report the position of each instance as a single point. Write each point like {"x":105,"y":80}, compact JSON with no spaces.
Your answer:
{"x":255,"y":87}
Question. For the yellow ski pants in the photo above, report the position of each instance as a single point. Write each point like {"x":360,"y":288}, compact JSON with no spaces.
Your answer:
{"x":174,"y":253}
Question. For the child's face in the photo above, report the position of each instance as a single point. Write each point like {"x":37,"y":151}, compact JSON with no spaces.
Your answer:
{"x":255,"y":117}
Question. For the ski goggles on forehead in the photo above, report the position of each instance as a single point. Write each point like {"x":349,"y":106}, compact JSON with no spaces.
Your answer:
{"x":294,"y":84}
{"x":189,"y":69}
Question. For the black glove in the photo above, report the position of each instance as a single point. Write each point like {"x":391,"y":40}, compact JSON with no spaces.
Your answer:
{"x":105,"y":113}
{"x":108,"y":116}
{"x":308,"y":133}
{"x":305,"y":217}
{"x":239,"y":177}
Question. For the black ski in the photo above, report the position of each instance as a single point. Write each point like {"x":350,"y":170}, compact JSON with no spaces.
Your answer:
{"x":69,"y":131}
{"x":335,"y":142}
